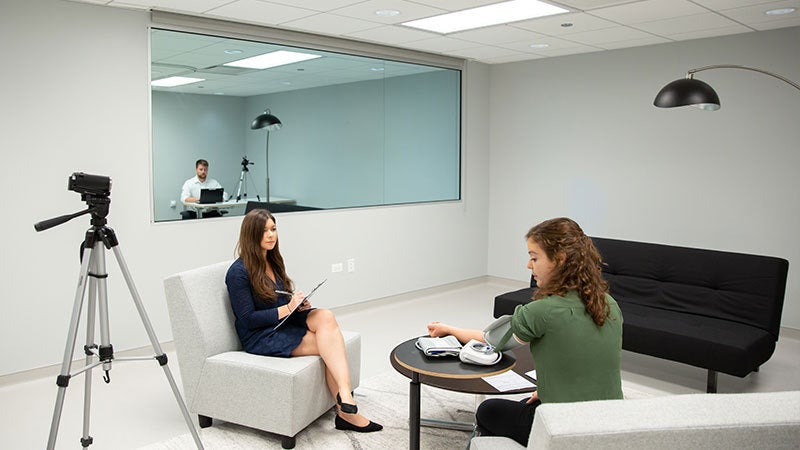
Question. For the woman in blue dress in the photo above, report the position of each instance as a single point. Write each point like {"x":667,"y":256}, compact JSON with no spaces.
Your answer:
{"x":253,"y":281}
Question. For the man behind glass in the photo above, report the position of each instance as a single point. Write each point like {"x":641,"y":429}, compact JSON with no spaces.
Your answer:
{"x":191,"y":188}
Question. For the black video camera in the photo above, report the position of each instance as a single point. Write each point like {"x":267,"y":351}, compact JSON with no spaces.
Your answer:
{"x":93,"y":185}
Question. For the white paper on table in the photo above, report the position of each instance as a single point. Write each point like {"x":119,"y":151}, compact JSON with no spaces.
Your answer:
{"x":508,"y":381}
{"x":532,"y":374}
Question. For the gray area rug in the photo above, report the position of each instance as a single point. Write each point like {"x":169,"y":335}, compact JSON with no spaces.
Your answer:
{"x":384,"y":399}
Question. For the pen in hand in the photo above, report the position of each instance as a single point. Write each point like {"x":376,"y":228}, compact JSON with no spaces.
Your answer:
{"x":290,"y":294}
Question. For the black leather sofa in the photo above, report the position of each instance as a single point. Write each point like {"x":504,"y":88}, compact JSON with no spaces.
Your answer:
{"x":716,"y":310}
{"x":277,"y":207}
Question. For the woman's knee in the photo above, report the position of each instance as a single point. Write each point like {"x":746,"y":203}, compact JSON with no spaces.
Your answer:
{"x":323,"y":317}
{"x":486,"y":413}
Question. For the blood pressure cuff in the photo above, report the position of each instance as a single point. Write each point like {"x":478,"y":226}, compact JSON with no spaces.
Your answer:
{"x":498,"y":334}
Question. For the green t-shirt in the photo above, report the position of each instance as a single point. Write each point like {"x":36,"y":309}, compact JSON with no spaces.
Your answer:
{"x":575,"y":359}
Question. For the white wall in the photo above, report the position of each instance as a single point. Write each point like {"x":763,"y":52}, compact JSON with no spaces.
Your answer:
{"x":76,"y":98}
{"x":578,"y":136}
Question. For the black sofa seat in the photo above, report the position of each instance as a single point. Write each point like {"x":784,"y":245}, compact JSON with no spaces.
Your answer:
{"x":695,"y":340}
{"x":717,"y":310}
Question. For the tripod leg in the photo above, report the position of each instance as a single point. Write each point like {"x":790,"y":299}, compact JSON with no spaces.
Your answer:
{"x":239,"y":186}
{"x":106,"y":350}
{"x":160,"y":356}
{"x":91,"y":308}
{"x":249,"y":183}
{"x":98,"y":302}
{"x":63,"y":378}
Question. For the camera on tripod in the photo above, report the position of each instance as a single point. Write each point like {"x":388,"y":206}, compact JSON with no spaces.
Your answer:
{"x":245,"y":162}
{"x":95,"y":190}
{"x":94,"y":185}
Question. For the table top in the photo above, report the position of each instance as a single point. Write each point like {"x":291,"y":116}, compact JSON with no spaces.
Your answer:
{"x":451,"y":374}
{"x":227,"y":204}
{"x":232,"y":203}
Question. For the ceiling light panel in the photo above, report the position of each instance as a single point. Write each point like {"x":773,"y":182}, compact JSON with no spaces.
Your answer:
{"x":499,"y":13}
{"x":175,"y":81}
{"x":272,"y":59}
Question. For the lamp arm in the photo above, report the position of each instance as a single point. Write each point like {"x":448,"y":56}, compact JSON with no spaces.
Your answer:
{"x":691,"y":72}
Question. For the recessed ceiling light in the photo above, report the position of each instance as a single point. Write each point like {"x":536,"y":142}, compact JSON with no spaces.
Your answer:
{"x":376,"y":69}
{"x":233,"y":51}
{"x":505,"y":12}
{"x":539,"y":45}
{"x":780,"y":11}
{"x":175,"y":81}
{"x":387,"y":12}
{"x":272,"y":59}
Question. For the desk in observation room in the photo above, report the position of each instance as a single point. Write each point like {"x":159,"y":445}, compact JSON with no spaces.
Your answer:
{"x":451,"y":374}
{"x":201,"y":208}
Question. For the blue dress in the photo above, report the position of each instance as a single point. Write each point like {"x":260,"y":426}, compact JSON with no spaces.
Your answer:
{"x":256,"y":319}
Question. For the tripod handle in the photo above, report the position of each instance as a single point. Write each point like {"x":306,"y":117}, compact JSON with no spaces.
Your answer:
{"x":50,"y":223}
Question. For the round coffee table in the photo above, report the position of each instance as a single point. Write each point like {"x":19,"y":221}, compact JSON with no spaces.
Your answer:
{"x":451,"y":374}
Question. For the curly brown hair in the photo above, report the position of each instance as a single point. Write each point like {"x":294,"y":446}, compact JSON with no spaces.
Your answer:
{"x":249,"y":249}
{"x":578,"y":265}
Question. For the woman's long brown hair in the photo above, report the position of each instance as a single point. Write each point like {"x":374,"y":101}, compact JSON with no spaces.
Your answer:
{"x":578,"y":265}
{"x":249,"y":249}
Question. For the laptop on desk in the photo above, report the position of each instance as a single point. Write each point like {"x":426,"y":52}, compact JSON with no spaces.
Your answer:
{"x":211,"y":195}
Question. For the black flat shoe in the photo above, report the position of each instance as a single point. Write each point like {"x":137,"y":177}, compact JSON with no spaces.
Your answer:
{"x":347,"y":408}
{"x":342,"y":424}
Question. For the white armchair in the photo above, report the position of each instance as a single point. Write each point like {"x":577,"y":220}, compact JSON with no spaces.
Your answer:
{"x":278,"y":395}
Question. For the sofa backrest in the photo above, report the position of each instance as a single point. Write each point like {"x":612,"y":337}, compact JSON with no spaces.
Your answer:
{"x":751,"y":420}
{"x":201,"y":317}
{"x":732,"y":286}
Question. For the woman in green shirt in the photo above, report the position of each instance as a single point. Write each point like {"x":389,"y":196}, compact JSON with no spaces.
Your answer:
{"x":572,"y":325}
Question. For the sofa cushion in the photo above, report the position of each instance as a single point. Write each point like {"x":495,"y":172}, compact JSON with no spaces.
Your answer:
{"x":715,"y":344}
{"x":722,"y":421}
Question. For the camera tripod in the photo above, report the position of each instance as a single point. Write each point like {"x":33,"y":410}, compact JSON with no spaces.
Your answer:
{"x":93,"y":269}
{"x":243,"y":180}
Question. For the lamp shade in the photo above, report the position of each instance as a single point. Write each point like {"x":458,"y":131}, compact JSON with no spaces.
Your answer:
{"x":266,"y":120}
{"x":687,"y":92}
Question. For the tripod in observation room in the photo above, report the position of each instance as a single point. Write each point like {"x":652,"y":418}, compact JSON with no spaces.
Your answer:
{"x":95,"y":191}
{"x":243,"y":181}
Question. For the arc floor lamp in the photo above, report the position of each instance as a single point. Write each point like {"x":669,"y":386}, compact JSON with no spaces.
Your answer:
{"x":690,"y":92}
{"x":271,"y":123}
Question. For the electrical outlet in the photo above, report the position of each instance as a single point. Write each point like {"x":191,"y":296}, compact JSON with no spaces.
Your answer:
{"x":337,"y":267}
{"x":351,"y":265}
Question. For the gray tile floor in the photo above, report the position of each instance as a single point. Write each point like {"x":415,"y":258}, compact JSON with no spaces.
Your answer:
{"x":138,"y":408}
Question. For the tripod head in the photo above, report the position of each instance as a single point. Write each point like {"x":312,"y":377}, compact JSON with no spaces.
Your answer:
{"x":95,"y":190}
{"x":245,"y":162}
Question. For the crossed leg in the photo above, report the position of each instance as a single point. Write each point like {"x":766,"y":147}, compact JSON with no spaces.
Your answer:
{"x":324,"y":338}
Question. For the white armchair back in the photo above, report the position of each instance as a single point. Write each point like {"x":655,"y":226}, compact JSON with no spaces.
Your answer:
{"x":202,"y":319}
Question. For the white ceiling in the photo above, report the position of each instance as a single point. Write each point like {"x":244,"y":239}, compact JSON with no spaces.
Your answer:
{"x":175,"y":53}
{"x":596,"y":25}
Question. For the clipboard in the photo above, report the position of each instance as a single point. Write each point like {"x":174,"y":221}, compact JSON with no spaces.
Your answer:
{"x":298,"y":305}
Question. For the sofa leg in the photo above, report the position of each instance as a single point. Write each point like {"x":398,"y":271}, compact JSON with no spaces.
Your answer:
{"x":287,"y":441}
{"x":204,"y":421}
{"x":711,"y":384}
